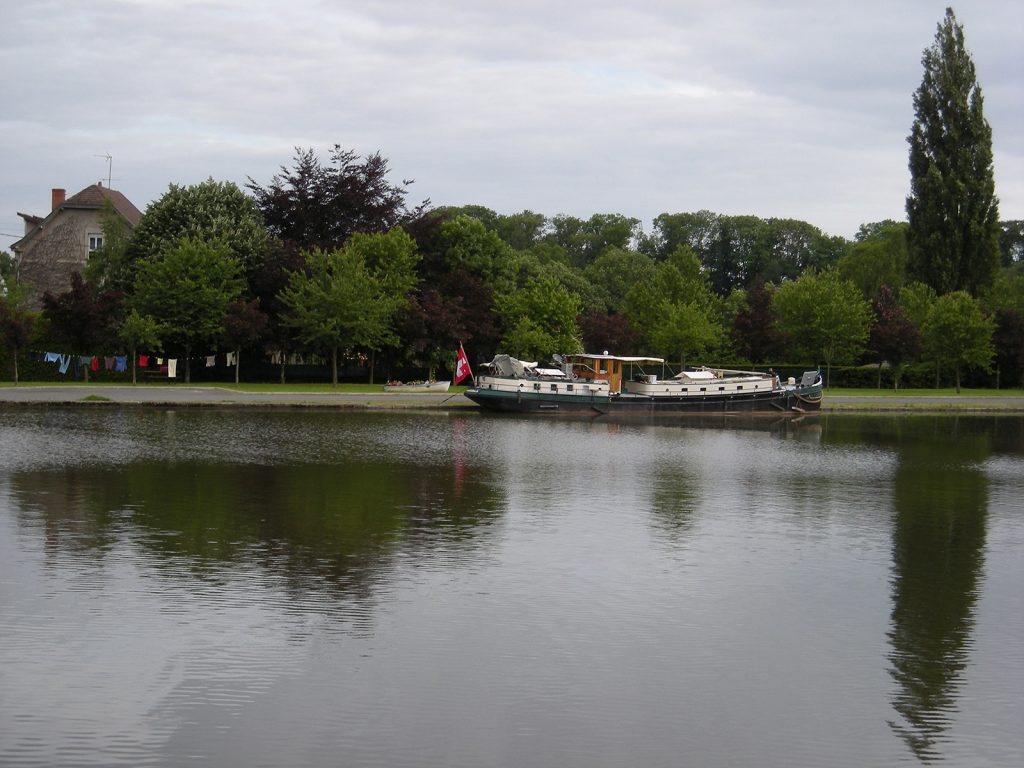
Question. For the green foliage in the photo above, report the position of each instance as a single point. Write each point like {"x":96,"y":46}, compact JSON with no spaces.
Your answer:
{"x":952,"y":208}
{"x":139,"y":332}
{"x":189,"y":289}
{"x":736,"y":251}
{"x":350,"y":297}
{"x":467,"y":244}
{"x":917,"y":299}
{"x":6,"y":271}
{"x":16,"y":324}
{"x":540,"y":320}
{"x":615,"y":272}
{"x":957,"y":333}
{"x":676,"y":312}
{"x":391,"y":257}
{"x":1007,"y":292}
{"x":110,"y":267}
{"x":877,"y":259}
{"x":825,"y":317}
{"x":205,"y":212}
{"x":1011,"y":242}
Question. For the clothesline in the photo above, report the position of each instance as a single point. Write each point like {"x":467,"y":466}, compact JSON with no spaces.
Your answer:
{"x":119,"y":363}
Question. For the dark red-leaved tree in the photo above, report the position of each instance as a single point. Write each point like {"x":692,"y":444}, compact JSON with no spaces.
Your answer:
{"x":244,"y":325}
{"x":894,"y":337}
{"x":601,"y":331}
{"x":1009,"y":343}
{"x":83,"y":320}
{"x":753,"y":329}
{"x":313,"y":205}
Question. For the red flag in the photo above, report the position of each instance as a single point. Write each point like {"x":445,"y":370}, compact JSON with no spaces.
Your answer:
{"x":461,"y":366}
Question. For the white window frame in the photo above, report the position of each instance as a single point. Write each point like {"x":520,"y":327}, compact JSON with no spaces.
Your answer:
{"x":95,"y":241}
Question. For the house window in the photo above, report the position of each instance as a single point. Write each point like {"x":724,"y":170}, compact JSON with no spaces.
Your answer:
{"x":95,"y":242}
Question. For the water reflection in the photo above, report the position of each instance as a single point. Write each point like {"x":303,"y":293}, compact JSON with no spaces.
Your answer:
{"x":308,"y":527}
{"x":214,"y":587}
{"x":941,"y":502}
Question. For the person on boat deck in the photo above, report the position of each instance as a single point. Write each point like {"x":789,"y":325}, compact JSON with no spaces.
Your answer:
{"x":775,"y":378}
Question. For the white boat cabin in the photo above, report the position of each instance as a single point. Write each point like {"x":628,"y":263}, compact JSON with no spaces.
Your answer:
{"x":592,"y":375}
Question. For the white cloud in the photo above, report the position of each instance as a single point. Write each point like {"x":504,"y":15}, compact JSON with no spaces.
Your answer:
{"x":794,"y":109}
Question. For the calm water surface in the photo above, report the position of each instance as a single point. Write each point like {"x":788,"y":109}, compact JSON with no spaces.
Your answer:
{"x":194,"y":587}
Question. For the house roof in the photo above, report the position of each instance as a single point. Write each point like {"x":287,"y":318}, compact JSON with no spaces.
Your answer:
{"x":93,"y":197}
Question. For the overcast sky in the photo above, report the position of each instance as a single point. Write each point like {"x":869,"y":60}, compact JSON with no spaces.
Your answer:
{"x":776,"y":109}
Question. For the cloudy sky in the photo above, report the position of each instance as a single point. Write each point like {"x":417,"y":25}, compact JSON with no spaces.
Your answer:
{"x":771,"y":108}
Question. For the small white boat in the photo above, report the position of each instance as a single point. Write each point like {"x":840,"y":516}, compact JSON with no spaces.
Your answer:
{"x":421,"y":386}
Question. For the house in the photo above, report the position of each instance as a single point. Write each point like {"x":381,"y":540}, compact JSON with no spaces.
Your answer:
{"x":58,"y":244}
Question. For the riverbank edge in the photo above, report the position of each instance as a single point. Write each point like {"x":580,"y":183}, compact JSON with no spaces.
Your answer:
{"x":226,"y":398}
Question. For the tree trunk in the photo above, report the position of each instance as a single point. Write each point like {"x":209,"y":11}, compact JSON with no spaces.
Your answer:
{"x":238,"y":362}
{"x":957,"y":378}
{"x":373,"y":362}
{"x":15,"y":349}
{"x":133,"y":365}
{"x":282,"y":367}
{"x":85,"y":368}
{"x":188,"y":364}
{"x":879,"y":384}
{"x":334,"y":366}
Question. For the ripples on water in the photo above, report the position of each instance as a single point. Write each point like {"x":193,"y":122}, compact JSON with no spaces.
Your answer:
{"x":313,"y":588}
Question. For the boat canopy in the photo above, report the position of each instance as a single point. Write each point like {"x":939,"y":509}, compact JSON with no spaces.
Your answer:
{"x":506,"y":365}
{"x":587,"y":356}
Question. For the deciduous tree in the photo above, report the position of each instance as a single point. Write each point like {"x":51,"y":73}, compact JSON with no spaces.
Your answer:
{"x":539,"y":320}
{"x":349,"y":297}
{"x":894,"y":338}
{"x":319,"y":206}
{"x":189,"y":289}
{"x":825,"y":317}
{"x":83,"y":319}
{"x":16,"y":323}
{"x":958,"y":334}
{"x":206,"y":212}
{"x":139,"y":332}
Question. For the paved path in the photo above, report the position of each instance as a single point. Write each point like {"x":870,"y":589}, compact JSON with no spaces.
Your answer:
{"x":225,"y":396}
{"x":186,"y":395}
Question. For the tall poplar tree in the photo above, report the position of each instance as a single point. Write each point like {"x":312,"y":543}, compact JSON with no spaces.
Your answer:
{"x":952,"y":208}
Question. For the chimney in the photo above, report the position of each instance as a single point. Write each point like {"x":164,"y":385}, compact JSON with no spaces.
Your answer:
{"x":56,"y":199}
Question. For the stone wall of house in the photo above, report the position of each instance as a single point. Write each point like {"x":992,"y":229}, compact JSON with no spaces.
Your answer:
{"x":61,"y":248}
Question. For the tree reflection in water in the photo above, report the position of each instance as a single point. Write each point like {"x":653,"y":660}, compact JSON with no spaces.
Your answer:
{"x":941,"y":505}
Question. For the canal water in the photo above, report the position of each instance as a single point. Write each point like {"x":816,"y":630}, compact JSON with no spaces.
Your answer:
{"x":313,"y":588}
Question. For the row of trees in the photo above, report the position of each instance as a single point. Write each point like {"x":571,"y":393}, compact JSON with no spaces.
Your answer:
{"x":328,"y":258}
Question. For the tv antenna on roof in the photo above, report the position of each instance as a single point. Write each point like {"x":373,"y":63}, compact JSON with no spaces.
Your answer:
{"x":110,"y":166}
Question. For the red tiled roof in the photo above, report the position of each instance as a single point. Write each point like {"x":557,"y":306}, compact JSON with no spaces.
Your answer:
{"x":93,"y":197}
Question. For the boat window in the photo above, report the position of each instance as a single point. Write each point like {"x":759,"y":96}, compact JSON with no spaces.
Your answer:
{"x":568,"y":387}
{"x":554,"y":387}
{"x":536,"y":385}
{"x":721,"y":389}
{"x":703,"y":389}
{"x":739,"y":386}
